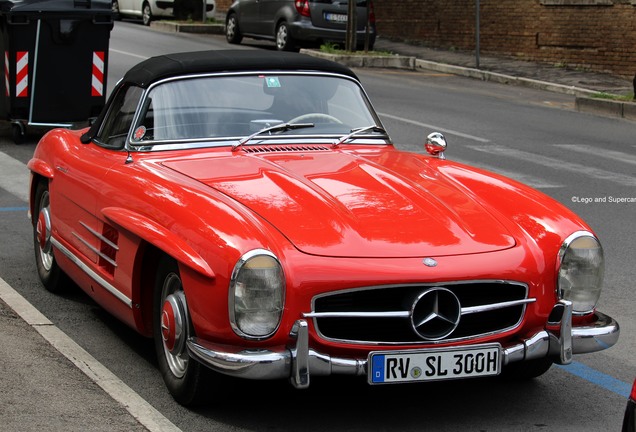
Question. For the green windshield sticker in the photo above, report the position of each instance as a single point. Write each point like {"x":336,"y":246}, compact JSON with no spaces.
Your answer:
{"x":272,"y":82}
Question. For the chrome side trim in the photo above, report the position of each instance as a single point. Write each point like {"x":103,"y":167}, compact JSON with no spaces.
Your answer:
{"x":92,"y":274}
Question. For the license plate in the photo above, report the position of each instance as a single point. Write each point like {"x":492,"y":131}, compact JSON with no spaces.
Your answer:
{"x":434,"y":364}
{"x":335,"y":17}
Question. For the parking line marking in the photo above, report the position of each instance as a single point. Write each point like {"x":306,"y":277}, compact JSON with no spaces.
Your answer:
{"x":557,"y":164}
{"x":602,"y":153}
{"x":129,"y":54}
{"x":137,"y":406}
{"x":436,"y":128}
{"x":13,"y":209}
{"x":605,"y":381}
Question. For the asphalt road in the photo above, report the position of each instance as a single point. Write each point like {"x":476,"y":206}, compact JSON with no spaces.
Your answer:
{"x":586,"y":162}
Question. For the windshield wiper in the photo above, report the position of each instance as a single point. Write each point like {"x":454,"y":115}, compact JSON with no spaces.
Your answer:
{"x":358,"y":131}
{"x":281,"y":127}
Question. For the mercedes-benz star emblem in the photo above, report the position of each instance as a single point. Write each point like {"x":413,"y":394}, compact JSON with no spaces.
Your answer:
{"x":429,"y":262}
{"x":435,"y":313}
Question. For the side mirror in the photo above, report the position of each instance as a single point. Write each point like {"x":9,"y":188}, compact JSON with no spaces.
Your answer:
{"x":436,"y":145}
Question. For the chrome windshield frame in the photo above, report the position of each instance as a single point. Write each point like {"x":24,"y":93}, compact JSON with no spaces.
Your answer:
{"x":195,"y":143}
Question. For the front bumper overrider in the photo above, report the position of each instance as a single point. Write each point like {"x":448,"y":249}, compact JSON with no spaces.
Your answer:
{"x":559,"y":340}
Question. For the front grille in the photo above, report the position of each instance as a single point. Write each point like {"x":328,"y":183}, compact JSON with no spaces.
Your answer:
{"x":383,"y":314}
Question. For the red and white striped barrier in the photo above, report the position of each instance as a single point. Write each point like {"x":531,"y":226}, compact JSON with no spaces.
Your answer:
{"x":98,"y":74}
{"x":22,"y":74}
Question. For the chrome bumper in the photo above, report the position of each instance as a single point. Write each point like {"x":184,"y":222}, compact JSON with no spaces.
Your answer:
{"x":559,"y":340}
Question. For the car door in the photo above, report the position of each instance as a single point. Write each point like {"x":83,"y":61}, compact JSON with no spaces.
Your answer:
{"x":79,"y":183}
{"x":79,"y":170}
{"x":129,"y":7}
{"x":248,"y":15}
{"x":269,"y":13}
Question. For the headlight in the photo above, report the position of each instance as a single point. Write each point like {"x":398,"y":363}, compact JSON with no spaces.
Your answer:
{"x":257,"y":294}
{"x":581,"y":268}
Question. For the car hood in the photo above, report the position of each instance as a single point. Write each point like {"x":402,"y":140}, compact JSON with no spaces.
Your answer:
{"x":334,"y":203}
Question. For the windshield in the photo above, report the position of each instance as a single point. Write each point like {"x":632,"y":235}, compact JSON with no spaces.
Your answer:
{"x":235,"y":107}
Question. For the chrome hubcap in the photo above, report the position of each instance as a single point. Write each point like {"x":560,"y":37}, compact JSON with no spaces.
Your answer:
{"x":173,"y":325}
{"x":230,"y":29}
{"x":43,"y":233}
{"x":281,"y":37}
{"x":146,"y":14}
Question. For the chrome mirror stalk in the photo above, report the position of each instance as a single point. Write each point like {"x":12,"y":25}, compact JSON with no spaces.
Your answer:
{"x":436,"y":145}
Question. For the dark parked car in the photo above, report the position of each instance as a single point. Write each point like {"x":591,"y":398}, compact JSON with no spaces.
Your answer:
{"x":296,"y":23}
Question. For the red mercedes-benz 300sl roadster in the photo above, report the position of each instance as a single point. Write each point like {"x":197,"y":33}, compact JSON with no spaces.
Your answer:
{"x":249,"y":212}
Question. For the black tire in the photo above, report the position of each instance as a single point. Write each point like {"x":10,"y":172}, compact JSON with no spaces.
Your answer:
{"x":115,"y":10}
{"x":284,"y":40}
{"x":526,"y":370}
{"x":146,"y":14}
{"x":183,"y":376}
{"x":50,"y":274}
{"x":17,"y":133}
{"x":232,"y":30}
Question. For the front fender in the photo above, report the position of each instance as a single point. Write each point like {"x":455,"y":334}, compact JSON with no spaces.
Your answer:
{"x":41,"y":167}
{"x":159,"y":237}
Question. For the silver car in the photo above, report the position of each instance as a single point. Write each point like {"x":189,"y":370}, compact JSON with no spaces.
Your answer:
{"x":295,"y":23}
{"x":148,"y":10}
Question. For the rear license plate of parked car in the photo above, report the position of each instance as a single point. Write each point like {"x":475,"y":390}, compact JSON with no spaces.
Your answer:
{"x":335,"y":17}
{"x":434,"y":364}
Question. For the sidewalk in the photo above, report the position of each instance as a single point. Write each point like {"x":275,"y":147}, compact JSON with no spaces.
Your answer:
{"x":45,"y":390}
{"x":490,"y":66}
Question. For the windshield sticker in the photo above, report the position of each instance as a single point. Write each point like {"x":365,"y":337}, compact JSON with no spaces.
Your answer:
{"x":272,"y":82}
{"x":140,"y":132}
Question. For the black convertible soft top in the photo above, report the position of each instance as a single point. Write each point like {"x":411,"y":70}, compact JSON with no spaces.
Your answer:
{"x":199,"y":62}
{"x":169,"y":65}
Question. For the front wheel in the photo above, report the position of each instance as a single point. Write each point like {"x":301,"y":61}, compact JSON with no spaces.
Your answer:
{"x":284,"y":40}
{"x":232,"y":30}
{"x":49,"y":272}
{"x":182,"y":375}
{"x":115,"y":10}
{"x":146,"y":14}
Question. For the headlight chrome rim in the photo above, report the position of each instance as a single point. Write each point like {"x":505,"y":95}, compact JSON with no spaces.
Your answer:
{"x":569,"y":293}
{"x":232,"y":294}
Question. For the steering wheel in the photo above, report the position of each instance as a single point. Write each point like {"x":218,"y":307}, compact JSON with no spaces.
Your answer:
{"x":317,"y":116}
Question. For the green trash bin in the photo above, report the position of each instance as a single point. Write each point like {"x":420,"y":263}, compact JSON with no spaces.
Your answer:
{"x":55,"y":55}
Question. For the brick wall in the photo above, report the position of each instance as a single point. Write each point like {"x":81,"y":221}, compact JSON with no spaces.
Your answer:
{"x":598,"y":35}
{"x":222,"y":6}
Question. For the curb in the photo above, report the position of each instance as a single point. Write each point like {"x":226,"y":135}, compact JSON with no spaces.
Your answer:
{"x":607,"y":108}
{"x":502,"y":78}
{"x":366,"y":60}
{"x":177,"y":27}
